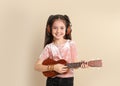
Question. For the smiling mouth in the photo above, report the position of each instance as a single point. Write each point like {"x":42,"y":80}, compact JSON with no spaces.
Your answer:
{"x":58,"y":34}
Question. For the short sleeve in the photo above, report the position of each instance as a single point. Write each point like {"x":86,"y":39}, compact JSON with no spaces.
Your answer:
{"x":74,"y":52}
{"x":45,"y":53}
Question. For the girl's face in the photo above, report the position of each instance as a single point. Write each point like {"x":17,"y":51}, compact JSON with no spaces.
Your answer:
{"x":58,"y":29}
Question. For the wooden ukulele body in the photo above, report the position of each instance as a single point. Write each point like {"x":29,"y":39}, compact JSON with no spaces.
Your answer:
{"x":52,"y":62}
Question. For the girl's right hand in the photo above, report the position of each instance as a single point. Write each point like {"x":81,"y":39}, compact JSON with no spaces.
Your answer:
{"x":84,"y":64}
{"x":60,"y":68}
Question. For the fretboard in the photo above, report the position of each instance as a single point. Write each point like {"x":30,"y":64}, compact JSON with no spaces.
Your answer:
{"x":74,"y":65}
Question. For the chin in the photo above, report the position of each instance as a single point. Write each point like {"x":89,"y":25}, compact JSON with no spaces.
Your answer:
{"x":57,"y":38}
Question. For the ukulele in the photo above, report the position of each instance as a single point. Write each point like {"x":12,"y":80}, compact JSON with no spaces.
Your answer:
{"x":48,"y":61}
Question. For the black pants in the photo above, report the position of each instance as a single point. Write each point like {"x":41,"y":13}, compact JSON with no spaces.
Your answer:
{"x":60,"y":81}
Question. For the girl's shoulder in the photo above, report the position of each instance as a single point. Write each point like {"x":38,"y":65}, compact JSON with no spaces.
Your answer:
{"x":48,"y":45}
{"x":71,"y":42}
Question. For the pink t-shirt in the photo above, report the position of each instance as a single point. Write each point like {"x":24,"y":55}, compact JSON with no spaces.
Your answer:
{"x":66,"y":51}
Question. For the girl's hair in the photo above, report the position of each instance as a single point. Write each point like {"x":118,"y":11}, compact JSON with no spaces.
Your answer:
{"x":50,"y":21}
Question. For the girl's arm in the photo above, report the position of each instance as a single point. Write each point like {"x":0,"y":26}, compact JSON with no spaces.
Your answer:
{"x":39,"y":67}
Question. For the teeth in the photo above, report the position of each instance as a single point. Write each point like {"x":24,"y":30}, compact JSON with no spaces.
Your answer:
{"x":57,"y":34}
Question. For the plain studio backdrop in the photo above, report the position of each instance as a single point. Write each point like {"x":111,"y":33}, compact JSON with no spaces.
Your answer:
{"x":95,"y":29}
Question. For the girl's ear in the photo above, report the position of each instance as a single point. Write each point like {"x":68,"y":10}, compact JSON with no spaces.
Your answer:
{"x":68,"y":30}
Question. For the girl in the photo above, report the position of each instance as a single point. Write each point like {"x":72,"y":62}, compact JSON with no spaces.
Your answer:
{"x":58,"y":45}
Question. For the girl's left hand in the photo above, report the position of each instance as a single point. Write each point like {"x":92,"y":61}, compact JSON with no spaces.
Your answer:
{"x":84,"y":64}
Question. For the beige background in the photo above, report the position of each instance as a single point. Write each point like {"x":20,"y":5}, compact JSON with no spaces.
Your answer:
{"x":96,"y":30}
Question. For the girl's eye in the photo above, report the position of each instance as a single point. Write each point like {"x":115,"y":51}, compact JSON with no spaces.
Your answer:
{"x":62,"y":28}
{"x":54,"y":27}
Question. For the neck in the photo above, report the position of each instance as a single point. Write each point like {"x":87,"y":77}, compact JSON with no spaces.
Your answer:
{"x":59,"y":42}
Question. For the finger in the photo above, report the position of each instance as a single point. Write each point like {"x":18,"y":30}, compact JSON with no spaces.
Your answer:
{"x":65,"y":67}
{"x":86,"y":64}
{"x":83,"y":65}
{"x":64,"y":70}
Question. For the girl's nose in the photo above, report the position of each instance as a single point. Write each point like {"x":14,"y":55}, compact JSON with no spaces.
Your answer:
{"x":58,"y":30}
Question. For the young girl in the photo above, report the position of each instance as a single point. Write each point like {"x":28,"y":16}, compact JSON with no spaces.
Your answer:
{"x":58,"y":45}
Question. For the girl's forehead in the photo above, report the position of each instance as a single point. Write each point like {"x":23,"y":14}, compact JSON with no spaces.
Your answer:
{"x":59,"y":21}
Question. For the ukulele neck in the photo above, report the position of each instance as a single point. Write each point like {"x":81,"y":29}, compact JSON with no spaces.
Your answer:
{"x":73,"y":65}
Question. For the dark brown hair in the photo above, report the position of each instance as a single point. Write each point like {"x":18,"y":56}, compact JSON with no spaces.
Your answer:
{"x":50,"y":21}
